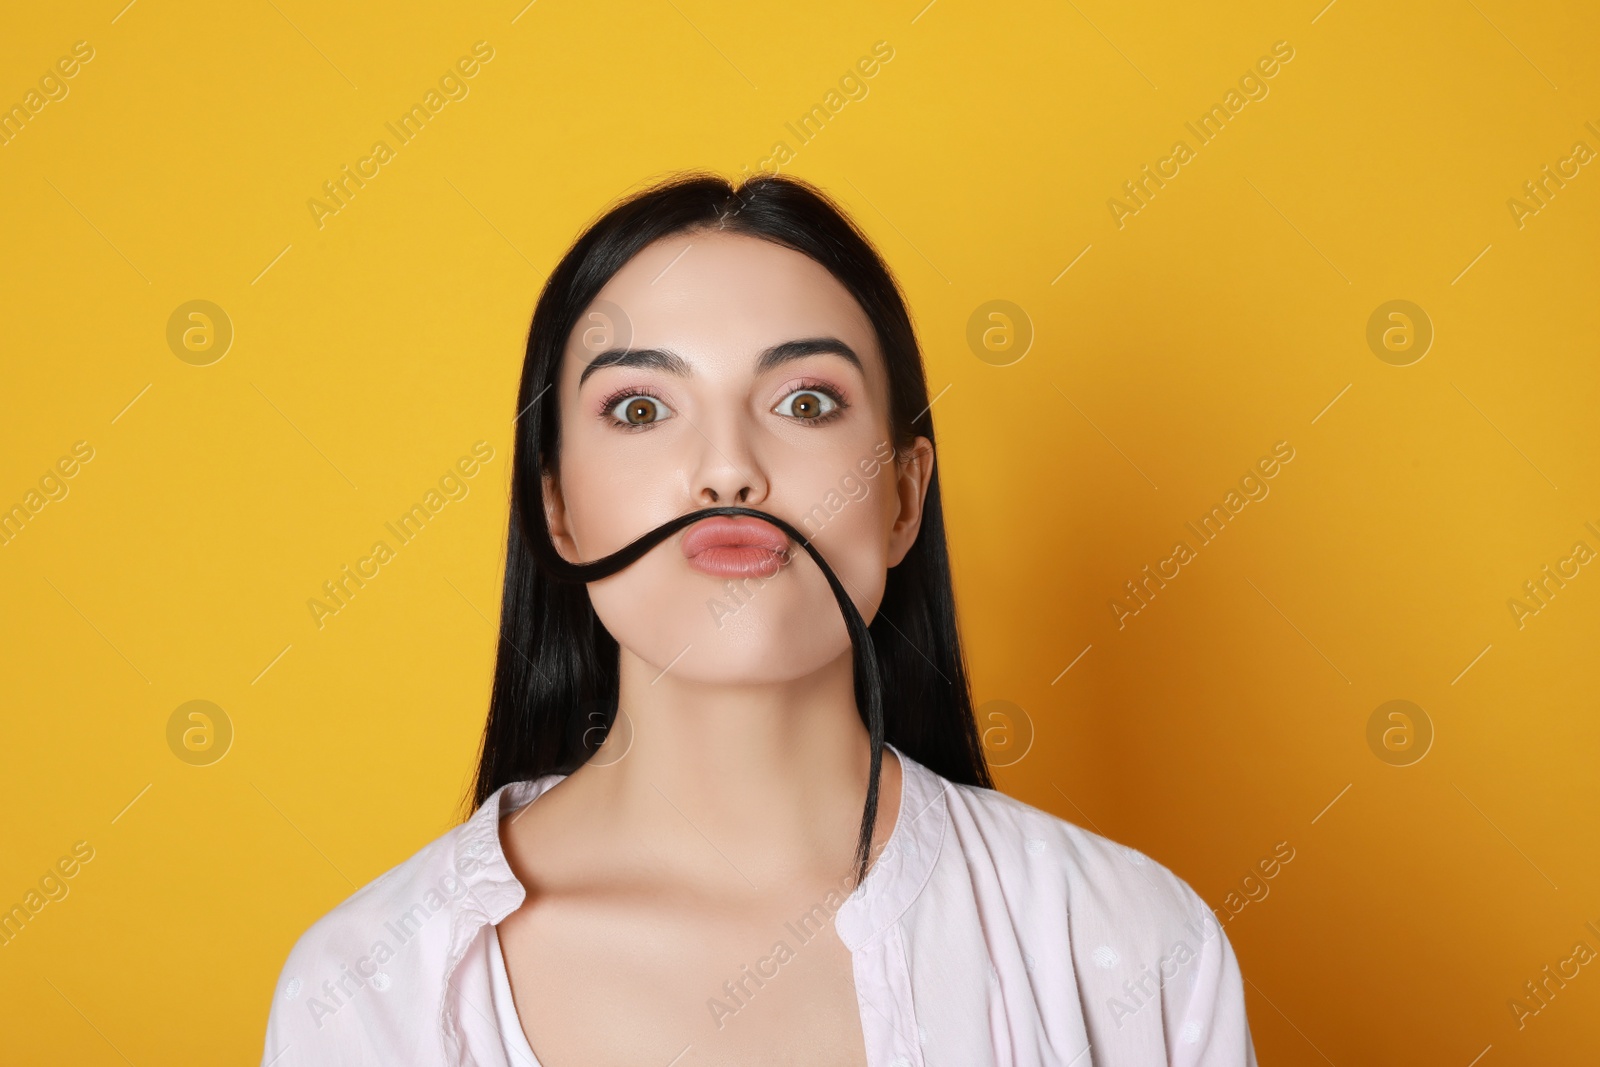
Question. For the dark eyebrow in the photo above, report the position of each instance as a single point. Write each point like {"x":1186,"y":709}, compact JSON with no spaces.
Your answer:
{"x":658,"y":358}
{"x":671,"y":362}
{"x":811,"y":346}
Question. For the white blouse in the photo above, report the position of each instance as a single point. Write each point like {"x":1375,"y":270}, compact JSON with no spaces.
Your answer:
{"x":987,"y":932}
{"x":515,"y":1039}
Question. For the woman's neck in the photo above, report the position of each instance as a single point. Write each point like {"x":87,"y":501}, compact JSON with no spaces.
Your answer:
{"x":763,"y":783}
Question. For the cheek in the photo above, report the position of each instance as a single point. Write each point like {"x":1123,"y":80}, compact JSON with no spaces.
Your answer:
{"x":854,"y":538}
{"x":843,"y":513}
{"x":612,"y":502}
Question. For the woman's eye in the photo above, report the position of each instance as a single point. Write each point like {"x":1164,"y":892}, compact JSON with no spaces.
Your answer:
{"x":640,"y":410}
{"x":806,"y":404}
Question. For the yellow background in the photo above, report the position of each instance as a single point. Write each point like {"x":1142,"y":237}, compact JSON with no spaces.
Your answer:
{"x":1227,"y":315}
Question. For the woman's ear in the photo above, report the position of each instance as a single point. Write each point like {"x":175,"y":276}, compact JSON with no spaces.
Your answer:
{"x":912,"y":471}
{"x":555,"y":517}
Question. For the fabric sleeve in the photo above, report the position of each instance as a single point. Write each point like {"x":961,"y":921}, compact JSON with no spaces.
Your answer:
{"x":306,"y":1026}
{"x":288,"y":1039}
{"x":279,"y":1040}
{"x":1208,"y":1027}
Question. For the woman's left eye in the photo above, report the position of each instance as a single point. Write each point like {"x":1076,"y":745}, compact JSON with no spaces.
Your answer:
{"x":807,"y":404}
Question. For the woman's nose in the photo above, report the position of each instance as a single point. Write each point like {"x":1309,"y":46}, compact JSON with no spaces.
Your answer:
{"x":728,"y":474}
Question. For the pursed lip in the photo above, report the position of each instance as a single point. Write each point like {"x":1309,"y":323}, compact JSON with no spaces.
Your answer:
{"x":729,"y":547}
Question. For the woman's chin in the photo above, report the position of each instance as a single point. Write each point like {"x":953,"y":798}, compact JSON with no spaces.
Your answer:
{"x":770,"y":638}
{"x":740,"y":660}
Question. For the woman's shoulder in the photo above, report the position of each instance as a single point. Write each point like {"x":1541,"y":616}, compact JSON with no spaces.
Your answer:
{"x":428,"y":878}
{"x":406,"y":902}
{"x":375,"y":963}
{"x":1049,"y":858}
{"x":1147,"y":959}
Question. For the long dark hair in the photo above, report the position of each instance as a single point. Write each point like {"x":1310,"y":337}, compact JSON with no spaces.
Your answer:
{"x":555,"y":679}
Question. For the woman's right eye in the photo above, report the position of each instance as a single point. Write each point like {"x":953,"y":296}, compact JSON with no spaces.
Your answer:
{"x":640,"y":410}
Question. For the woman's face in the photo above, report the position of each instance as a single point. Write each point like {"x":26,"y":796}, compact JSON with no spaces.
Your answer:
{"x":721,"y":369}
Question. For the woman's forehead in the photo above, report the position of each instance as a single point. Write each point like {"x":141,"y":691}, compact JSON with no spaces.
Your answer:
{"x":711,"y":294}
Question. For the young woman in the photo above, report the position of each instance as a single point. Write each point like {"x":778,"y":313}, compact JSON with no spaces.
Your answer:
{"x":717,"y":820}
